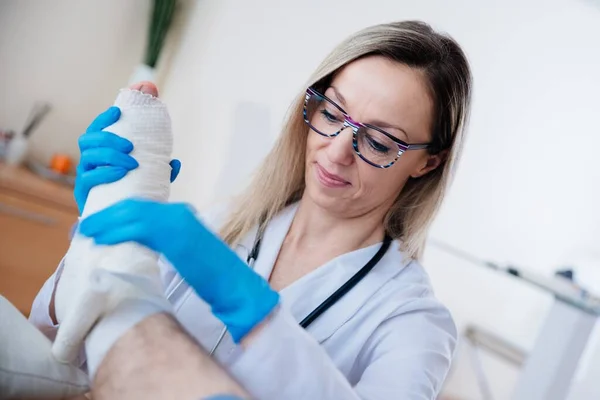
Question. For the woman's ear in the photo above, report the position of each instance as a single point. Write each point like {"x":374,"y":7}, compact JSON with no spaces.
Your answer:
{"x":433,"y":162}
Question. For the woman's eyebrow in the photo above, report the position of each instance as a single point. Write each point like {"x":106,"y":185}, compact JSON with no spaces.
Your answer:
{"x":380,"y":124}
{"x":384,"y":125}
{"x":339,"y":96}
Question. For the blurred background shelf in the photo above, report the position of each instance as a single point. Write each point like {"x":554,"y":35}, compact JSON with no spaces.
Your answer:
{"x":39,"y":213}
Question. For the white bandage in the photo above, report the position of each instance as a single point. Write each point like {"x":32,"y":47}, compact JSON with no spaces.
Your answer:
{"x":84,"y":293}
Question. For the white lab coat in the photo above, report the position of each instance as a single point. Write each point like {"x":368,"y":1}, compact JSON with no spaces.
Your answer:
{"x":388,"y":338}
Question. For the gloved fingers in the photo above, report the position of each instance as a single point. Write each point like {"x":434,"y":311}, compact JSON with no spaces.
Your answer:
{"x":147,"y":222}
{"x":121,"y":233}
{"x":86,"y":180}
{"x":105,"y":156}
{"x":117,"y":215}
{"x":106,"y":119}
{"x":175,"y":168}
{"x":104,"y":139}
{"x":106,"y":150}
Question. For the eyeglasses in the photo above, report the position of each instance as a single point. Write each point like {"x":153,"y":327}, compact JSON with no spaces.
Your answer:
{"x":372,"y":144}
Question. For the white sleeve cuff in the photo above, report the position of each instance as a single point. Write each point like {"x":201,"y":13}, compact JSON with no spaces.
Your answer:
{"x":254,"y":366}
{"x":302,"y":367}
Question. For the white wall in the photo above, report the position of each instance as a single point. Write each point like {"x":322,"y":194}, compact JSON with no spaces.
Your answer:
{"x":526,"y":190}
{"x":75,"y":54}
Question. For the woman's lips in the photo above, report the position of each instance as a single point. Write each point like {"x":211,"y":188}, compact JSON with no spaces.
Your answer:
{"x":330,"y":180}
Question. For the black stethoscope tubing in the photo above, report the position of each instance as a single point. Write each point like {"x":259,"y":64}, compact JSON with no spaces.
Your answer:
{"x":342,"y":290}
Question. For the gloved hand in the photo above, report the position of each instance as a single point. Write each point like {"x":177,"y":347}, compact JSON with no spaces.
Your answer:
{"x":238,"y":296}
{"x":105,"y":157}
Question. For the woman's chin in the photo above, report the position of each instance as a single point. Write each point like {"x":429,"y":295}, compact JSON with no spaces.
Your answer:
{"x":325,"y":197}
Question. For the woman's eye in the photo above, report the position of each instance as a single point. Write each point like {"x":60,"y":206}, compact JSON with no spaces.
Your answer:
{"x":329,"y":116}
{"x":375,"y":145}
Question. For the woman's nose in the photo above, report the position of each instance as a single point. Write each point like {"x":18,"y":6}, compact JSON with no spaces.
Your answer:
{"x":340,"y":150}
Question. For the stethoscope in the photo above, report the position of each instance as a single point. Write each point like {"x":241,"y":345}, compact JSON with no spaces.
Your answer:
{"x":328,"y":302}
{"x":334,"y":297}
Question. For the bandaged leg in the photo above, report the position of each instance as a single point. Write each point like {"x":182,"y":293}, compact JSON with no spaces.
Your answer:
{"x":95,"y":279}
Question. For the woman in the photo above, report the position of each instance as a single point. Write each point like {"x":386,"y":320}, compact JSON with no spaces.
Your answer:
{"x":334,"y":197}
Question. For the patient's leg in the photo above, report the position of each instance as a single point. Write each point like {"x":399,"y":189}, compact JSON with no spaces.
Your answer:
{"x":157,"y":360}
{"x":137,"y":352}
{"x":82,"y":296}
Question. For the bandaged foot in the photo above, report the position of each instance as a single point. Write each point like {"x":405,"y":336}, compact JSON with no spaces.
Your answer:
{"x":96,"y":279}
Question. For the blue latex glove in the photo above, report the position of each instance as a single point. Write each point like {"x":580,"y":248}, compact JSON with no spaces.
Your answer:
{"x":238,"y":296}
{"x":108,"y":151}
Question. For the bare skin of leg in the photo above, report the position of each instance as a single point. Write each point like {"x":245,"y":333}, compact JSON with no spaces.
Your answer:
{"x":156,"y":359}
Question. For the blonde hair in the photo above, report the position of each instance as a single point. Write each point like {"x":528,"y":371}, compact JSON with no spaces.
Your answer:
{"x":279,"y":181}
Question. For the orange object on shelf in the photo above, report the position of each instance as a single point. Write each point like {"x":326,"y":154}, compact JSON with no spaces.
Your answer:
{"x":61,"y":163}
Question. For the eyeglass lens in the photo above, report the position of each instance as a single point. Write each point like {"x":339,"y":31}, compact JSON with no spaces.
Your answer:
{"x":327,"y":120}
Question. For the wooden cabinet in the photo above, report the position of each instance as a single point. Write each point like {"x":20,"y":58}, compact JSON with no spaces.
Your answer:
{"x":36,"y":217}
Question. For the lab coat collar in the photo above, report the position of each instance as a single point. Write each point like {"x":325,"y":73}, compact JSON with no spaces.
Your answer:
{"x":308,"y":292}
{"x":272,"y":241}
